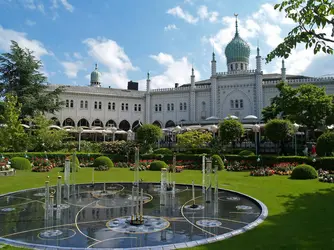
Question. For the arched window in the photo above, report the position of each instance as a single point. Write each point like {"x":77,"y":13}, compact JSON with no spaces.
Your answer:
{"x":72,"y":104}
{"x":156,"y":107}
{"x":100,"y":105}
{"x":81,"y":104}
{"x":203,"y":106}
{"x":126,"y":106}
{"x":242,"y":66}
{"x":181,"y":106}
{"x":113,"y":106}
{"x":172,"y":106}
{"x":241,"y":103}
{"x":135,"y":107}
{"x":95,"y":105}
{"x":185,"y":106}
{"x":236,"y":66}
{"x":236,"y":104}
{"x":86,"y":104}
{"x":122,"y":106}
{"x":232,"y":104}
{"x":109,"y":105}
{"x":160,"y":107}
{"x":231,"y":66}
{"x":139,"y":107}
{"x":67,"y":103}
{"x":168,"y":107}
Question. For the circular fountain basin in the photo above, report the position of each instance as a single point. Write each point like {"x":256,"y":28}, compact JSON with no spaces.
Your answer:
{"x":87,"y":219}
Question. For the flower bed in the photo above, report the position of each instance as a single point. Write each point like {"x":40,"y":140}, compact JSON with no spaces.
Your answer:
{"x":284,"y":168}
{"x":239,"y":166}
{"x":326,"y":176}
{"x":262,"y":172}
{"x":43,"y":164}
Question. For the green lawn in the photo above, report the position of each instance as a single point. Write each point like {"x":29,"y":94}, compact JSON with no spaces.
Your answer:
{"x":301,"y":213}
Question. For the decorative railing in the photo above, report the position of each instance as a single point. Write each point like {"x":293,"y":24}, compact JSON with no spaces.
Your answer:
{"x":302,"y":80}
{"x":237,"y":72}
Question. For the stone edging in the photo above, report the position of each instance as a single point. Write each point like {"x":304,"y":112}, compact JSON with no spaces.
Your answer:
{"x":259,"y":220}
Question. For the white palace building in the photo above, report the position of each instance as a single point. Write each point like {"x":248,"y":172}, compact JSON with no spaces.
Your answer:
{"x":240,"y":91}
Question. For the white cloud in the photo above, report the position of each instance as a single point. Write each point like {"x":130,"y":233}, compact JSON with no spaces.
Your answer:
{"x":34,"y":5}
{"x":72,"y":68}
{"x":204,"y":14}
{"x":180,"y":13}
{"x":162,"y":58}
{"x":30,"y":22}
{"x":108,"y":53}
{"x":64,"y":3}
{"x":170,"y":27}
{"x":67,"y":6}
{"x":6,"y":35}
{"x":176,"y":71}
{"x":77,"y":55}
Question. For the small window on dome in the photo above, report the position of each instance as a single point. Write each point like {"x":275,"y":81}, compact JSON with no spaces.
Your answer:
{"x":231,"y":66}
{"x":236,"y":66}
{"x":242,"y":66}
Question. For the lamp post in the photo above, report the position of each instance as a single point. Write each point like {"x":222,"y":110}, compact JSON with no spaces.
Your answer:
{"x":256,"y":130}
{"x":214,"y":129}
{"x":80,"y":130}
{"x":129,"y":135}
{"x":104,"y":135}
{"x":113,"y":130}
{"x":177,"y":130}
{"x":296,"y":127}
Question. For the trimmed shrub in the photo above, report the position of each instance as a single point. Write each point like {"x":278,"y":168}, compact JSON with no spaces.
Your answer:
{"x":304,"y":172}
{"x":20,"y":163}
{"x":325,"y":144}
{"x":103,"y":163}
{"x":217,"y":161}
{"x":158,"y":165}
{"x":163,"y":151}
{"x":246,"y":153}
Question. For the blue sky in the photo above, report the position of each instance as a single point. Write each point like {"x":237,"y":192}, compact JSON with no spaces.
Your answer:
{"x":127,"y":38}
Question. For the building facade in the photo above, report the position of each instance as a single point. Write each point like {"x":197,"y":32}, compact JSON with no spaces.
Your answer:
{"x":240,"y":92}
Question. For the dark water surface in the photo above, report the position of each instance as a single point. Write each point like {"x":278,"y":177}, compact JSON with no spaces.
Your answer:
{"x":91,"y":219}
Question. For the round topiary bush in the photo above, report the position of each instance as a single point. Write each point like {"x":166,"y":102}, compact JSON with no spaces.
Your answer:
{"x":20,"y":163}
{"x":304,"y":172}
{"x":158,"y":165}
{"x":246,"y":153}
{"x":217,"y":161}
{"x":163,"y":151}
{"x":103,"y":163}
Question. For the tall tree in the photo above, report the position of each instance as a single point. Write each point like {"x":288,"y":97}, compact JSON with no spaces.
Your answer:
{"x":230,"y":130}
{"x":12,"y":134}
{"x":148,"y":135}
{"x":312,"y":17}
{"x":20,"y":75}
{"x":307,"y":104}
{"x":194,"y":139}
{"x":44,"y":138}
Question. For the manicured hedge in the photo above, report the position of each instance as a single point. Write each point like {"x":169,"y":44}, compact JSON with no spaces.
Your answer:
{"x":103,"y":163}
{"x":326,"y":163}
{"x":20,"y":163}
{"x":304,"y":172}
{"x":158,"y":165}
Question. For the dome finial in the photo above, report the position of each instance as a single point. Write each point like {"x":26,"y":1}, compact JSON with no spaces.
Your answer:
{"x":236,"y":23}
{"x":148,"y":75}
{"x":95,"y":66}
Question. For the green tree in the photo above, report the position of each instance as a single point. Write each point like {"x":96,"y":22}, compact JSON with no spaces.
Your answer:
{"x":194,"y":139}
{"x":325,"y":144}
{"x":148,"y":135}
{"x":230,"y":130}
{"x":278,"y":130}
{"x":44,"y":138}
{"x":311,"y":17}
{"x":20,"y":75}
{"x":307,"y":104}
{"x":12,"y":134}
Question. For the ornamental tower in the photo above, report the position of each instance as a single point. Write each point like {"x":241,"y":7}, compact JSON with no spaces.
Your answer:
{"x":237,"y":52}
{"x":95,"y":78}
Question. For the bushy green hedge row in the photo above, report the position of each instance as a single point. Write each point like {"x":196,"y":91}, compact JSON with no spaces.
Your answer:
{"x":326,"y":163}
